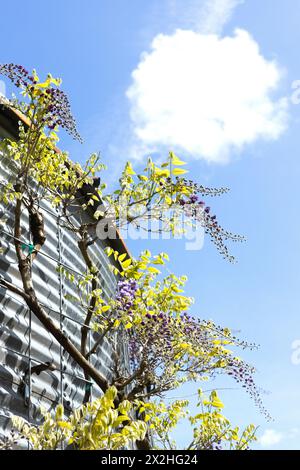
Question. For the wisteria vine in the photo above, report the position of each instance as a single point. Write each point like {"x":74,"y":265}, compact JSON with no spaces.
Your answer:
{"x":56,"y":105}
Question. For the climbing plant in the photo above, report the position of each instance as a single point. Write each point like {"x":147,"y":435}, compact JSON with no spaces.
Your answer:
{"x":167,"y":346}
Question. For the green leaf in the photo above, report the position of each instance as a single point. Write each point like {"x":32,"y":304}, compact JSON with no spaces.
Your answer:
{"x":126,"y":263}
{"x":120,"y":420}
{"x":64,"y":424}
{"x":108,"y":251}
{"x":215,"y":400}
{"x":129,"y":170}
{"x":175,"y":160}
{"x":179,"y":171}
{"x":105,"y":308}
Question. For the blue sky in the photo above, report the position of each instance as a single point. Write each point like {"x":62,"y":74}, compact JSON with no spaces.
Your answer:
{"x":252,"y":148}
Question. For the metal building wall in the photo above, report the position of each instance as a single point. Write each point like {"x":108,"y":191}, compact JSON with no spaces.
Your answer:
{"x":24,"y":342}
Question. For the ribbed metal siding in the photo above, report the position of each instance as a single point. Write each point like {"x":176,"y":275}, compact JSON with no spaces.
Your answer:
{"x":24,"y":342}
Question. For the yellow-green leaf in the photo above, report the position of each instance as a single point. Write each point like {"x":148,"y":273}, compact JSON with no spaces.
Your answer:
{"x":126,"y":263}
{"x":175,"y":160}
{"x":179,"y":171}
{"x":105,"y":308}
{"x":153,"y":270}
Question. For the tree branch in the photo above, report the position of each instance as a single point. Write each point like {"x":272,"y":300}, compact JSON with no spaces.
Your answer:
{"x":7,"y":285}
{"x":98,"y":342}
{"x":82,"y":244}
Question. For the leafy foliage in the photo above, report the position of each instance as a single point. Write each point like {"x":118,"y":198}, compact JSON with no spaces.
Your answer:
{"x":162,"y":194}
{"x":211,"y":430}
{"x":94,"y":426}
{"x":101,"y":425}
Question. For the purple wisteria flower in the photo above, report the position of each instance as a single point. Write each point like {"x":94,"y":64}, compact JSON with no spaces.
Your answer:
{"x":197,"y":209}
{"x":126,"y":292}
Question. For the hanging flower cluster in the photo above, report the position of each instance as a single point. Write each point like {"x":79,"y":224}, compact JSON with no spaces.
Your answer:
{"x":17,"y":74}
{"x":243,"y":374}
{"x":198,"y":347}
{"x":126,"y":291}
{"x":58,"y":112}
{"x":157,"y":339}
{"x":53,"y":104}
{"x":199,"y":188}
{"x":196,"y":209}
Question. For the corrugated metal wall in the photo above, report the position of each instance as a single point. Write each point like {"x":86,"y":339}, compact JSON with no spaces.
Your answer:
{"x":24,"y":342}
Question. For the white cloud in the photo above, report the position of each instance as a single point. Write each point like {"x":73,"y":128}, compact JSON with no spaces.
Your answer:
{"x":206,"y":16}
{"x":293,"y":433}
{"x":204,"y":95}
{"x":270,"y":437}
{"x":214,"y":15}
